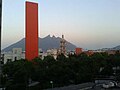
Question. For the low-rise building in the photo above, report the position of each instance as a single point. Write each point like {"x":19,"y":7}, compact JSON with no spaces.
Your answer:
{"x":78,"y":51}
{"x":52,"y":52}
{"x":15,"y":54}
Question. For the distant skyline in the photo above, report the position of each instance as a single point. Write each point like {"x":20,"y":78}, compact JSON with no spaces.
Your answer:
{"x":89,"y":24}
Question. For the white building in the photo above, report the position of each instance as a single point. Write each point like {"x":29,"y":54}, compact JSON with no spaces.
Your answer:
{"x":15,"y":54}
{"x":42,"y":54}
{"x":52,"y":52}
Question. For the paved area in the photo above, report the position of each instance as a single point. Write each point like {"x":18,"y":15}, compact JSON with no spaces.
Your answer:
{"x":84,"y":86}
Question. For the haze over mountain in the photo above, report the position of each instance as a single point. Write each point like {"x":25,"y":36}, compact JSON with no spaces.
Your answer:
{"x":45,"y":43}
{"x":116,"y":48}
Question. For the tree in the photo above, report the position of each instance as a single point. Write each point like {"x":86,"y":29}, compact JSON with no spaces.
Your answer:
{"x":61,"y":57}
{"x":18,"y":74}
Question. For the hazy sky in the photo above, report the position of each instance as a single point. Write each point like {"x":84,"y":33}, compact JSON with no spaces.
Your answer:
{"x":88,"y":24}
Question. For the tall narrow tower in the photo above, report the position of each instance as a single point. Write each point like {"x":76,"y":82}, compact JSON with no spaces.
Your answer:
{"x":63,"y":45}
{"x":31,"y":46}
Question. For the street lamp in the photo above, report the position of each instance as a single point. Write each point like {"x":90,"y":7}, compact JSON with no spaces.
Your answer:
{"x":51,"y":82}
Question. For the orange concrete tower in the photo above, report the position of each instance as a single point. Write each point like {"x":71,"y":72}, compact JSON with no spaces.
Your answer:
{"x":31,"y":38}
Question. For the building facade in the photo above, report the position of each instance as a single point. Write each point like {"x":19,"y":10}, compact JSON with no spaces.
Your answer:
{"x":78,"y":51}
{"x":15,"y":54}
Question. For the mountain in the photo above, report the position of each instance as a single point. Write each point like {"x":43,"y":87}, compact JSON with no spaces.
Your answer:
{"x":45,"y":43}
{"x":116,"y":48}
